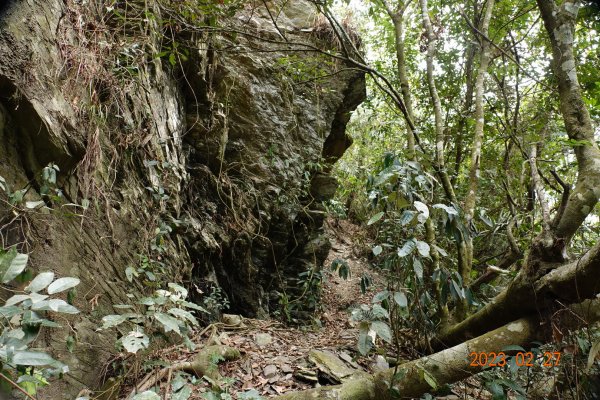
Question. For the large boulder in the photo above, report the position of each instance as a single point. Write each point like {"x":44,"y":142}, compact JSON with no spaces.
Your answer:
{"x":209,"y":162}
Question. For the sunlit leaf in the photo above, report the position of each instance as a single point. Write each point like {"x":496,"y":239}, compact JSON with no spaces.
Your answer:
{"x":377,"y":250}
{"x":40,"y":282}
{"x":135,"y":341}
{"x":423,"y":248}
{"x":62,"y":284}
{"x":169,"y":323}
{"x":375,"y":218}
{"x":383,"y":330}
{"x":33,"y":358}
{"x":15,"y":267}
{"x":401,"y":299}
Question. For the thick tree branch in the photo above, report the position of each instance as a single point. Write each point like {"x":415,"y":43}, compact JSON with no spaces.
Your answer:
{"x":569,"y":283}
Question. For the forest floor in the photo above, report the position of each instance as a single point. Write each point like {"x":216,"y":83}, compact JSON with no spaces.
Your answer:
{"x":276,"y":358}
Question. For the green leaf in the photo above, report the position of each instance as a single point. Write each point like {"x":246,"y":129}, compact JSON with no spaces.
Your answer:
{"x":383,"y":330}
{"x":40,"y":282}
{"x":485,"y":218}
{"x":401,"y":299}
{"x":17,"y":196}
{"x":593,"y":354}
{"x":16,"y":299}
{"x":110,"y":321}
{"x":62,"y":306}
{"x":9,"y":311}
{"x":169,"y":323}
{"x":147,"y":301}
{"x":365,"y":282}
{"x":62,"y":284}
{"x":423,"y":210}
{"x":34,"y":204}
{"x":251,"y":394}
{"x":16,"y":266}
{"x":458,"y":289}
{"x":135,"y":341}
{"x":130,"y":272}
{"x":377,"y":250}
{"x":408,"y":247}
{"x":450,"y":210}
{"x":407,"y":217}
{"x":423,"y":248}
{"x":178,"y":382}
{"x":379,"y":312}
{"x":418,"y":268}
{"x":440,"y":250}
{"x":375,"y":218}
{"x":365,"y":343}
{"x":179,"y":289}
{"x":430,"y":379}
{"x":183,"y":315}
{"x":147,"y":395}
{"x":32,"y":358}
{"x":193,"y":306}
{"x":184,"y":393}
{"x":496,"y":390}
{"x":380,"y":296}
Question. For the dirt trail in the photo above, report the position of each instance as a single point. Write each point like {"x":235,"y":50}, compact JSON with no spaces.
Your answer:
{"x":274,"y":356}
{"x":274,"y":368}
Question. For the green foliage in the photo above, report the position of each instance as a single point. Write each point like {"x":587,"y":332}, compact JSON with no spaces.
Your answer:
{"x":215,"y":303}
{"x":23,"y":316}
{"x":341,"y":267}
{"x":302,"y":69}
{"x":167,"y":310}
{"x":373,"y":322}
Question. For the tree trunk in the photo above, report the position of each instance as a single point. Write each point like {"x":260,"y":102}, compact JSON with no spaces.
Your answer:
{"x":474,"y":171}
{"x":560,"y":25}
{"x":397,"y":18}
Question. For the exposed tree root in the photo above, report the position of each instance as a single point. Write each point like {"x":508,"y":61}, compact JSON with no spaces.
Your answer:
{"x":204,"y":364}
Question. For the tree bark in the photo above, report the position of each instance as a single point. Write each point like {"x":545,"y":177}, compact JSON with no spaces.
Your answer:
{"x":397,"y":18}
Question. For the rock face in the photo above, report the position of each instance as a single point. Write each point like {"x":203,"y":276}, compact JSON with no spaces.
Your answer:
{"x":199,"y":152}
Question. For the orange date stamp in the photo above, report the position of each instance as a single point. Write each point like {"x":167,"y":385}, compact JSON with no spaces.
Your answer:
{"x":522,"y":359}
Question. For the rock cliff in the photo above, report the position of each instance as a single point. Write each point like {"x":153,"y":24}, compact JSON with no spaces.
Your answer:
{"x":189,"y":142}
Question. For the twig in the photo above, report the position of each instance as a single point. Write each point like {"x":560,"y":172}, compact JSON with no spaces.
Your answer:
{"x":274,"y":21}
{"x":564,"y":199}
{"x":19,"y":388}
{"x":510,"y":57}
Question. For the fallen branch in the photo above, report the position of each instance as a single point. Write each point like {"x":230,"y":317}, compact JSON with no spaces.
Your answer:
{"x":204,"y":364}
